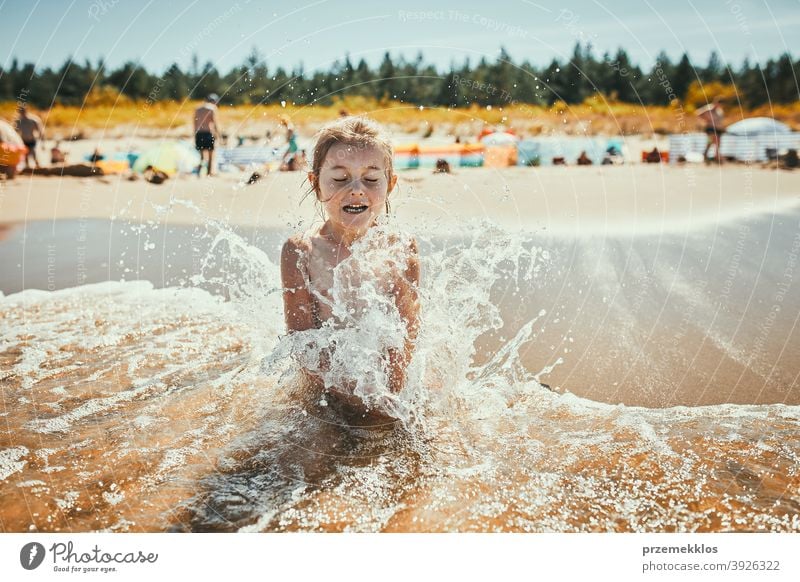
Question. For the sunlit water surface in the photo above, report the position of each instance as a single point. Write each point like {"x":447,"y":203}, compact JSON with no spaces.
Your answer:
{"x":128,"y":407}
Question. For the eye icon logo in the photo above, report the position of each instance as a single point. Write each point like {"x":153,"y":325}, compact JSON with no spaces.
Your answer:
{"x":31,"y":555}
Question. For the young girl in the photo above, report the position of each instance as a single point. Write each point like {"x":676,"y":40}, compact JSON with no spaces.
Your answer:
{"x":325,"y":286}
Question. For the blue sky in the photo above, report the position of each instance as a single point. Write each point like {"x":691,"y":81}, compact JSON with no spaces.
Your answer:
{"x":317,"y":32}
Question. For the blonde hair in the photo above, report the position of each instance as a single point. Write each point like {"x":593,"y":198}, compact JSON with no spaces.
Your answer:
{"x":358,"y":132}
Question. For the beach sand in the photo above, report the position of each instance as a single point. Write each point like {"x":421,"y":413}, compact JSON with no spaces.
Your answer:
{"x":632,"y":199}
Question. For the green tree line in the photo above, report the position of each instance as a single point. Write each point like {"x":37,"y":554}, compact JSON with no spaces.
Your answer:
{"x":485,"y":82}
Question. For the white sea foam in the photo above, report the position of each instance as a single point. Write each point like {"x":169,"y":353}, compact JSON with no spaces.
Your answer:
{"x":10,"y":461}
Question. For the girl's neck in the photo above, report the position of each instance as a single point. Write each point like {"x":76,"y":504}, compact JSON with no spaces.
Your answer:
{"x":340,"y":236}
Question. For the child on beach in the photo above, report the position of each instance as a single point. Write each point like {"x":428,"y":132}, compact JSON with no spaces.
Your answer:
{"x":324,"y":285}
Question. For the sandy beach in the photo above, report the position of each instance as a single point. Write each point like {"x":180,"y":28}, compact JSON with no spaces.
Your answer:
{"x":631,"y":199}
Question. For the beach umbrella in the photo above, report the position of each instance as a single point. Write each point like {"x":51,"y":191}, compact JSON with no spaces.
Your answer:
{"x":9,"y":135}
{"x":169,"y":157}
{"x":500,"y":138}
{"x":758,"y":126}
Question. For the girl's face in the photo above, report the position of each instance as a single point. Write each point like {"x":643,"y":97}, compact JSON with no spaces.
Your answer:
{"x":353,"y":186}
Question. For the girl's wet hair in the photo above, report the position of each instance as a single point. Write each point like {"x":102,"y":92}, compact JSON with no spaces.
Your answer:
{"x":357,"y":132}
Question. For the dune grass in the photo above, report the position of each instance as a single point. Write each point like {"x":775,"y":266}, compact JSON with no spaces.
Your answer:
{"x":596,"y":116}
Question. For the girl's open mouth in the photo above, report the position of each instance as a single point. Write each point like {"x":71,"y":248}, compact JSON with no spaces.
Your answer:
{"x":354,"y":208}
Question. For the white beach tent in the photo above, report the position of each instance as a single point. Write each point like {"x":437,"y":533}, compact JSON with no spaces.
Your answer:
{"x":758,"y":126}
{"x":757,"y":139}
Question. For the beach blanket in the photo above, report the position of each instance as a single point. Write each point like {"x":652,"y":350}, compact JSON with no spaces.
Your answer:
{"x":110,"y":167}
{"x":170,"y":158}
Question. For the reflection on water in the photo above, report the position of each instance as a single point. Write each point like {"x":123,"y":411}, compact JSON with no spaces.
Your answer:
{"x":133,"y":408}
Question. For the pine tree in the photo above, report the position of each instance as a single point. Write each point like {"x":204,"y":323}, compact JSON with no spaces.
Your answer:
{"x":625,"y":77}
{"x":6,"y":88}
{"x":386,"y":78}
{"x":683,"y":76}
{"x":448,"y":95}
{"x":714,"y":69}
{"x":783,"y":82}
{"x":553,"y":82}
{"x":576,"y":87}
{"x":411,"y":81}
{"x":176,"y":84}
{"x":500,"y":79}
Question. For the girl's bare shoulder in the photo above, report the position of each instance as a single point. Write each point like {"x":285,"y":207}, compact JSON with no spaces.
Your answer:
{"x":297,"y":240}
{"x":297,"y":244}
{"x":295,"y":253}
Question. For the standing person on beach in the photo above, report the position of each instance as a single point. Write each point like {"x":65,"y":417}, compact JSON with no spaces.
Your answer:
{"x":711,"y":115}
{"x":291,"y":140}
{"x":206,"y":131}
{"x":31,"y":130}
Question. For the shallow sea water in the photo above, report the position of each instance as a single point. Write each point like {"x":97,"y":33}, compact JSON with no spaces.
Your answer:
{"x":174,"y":405}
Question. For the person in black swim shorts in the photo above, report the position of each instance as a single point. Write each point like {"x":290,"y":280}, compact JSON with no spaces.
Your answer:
{"x":206,"y":131}
{"x":31,"y":129}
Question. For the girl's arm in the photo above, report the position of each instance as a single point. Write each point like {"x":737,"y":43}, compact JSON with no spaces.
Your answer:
{"x":298,"y":306}
{"x":407,"y":300}
{"x":297,"y":300}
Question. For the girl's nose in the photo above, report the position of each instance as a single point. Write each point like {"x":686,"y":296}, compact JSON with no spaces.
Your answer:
{"x":357,"y":187}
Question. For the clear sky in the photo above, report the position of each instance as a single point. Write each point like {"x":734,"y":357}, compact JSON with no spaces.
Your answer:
{"x":316,"y":32}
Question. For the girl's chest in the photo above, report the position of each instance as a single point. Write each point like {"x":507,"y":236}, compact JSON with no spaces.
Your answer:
{"x":347,"y":284}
